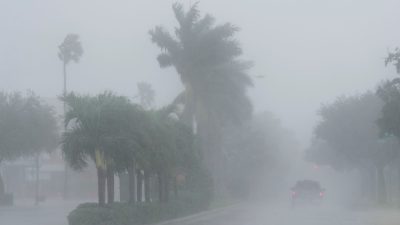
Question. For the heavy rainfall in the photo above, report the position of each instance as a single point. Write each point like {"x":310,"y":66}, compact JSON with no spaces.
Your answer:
{"x":178,"y":112}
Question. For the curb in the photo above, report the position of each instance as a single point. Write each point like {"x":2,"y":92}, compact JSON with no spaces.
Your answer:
{"x":197,"y":217}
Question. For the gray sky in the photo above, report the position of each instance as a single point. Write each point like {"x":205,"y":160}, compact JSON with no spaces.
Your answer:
{"x":309,"y":51}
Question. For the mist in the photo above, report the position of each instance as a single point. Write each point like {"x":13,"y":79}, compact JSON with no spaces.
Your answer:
{"x":295,"y":105}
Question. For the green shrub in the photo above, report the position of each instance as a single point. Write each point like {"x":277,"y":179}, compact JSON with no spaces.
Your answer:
{"x":137,"y":214}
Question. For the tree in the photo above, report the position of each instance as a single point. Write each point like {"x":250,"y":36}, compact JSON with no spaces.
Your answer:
{"x":215,"y":80}
{"x":394,"y":58}
{"x":389,"y":122}
{"x":98,"y":130}
{"x":258,"y":153}
{"x":146,"y":94}
{"x":168,"y":148}
{"x":27,"y":127}
{"x":348,"y":137}
{"x":70,"y":50}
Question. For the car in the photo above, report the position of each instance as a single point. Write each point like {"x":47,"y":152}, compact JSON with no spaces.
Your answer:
{"x":307,"y":192}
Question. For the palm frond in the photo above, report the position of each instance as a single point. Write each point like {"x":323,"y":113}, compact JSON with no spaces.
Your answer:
{"x":165,"y":60}
{"x":164,"y":40}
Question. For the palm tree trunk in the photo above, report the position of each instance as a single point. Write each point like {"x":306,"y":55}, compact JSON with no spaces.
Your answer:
{"x":65,"y":79}
{"x":381,"y":186}
{"x":160,"y":188}
{"x":176,"y":187}
{"x":210,"y":136}
{"x":132,"y":185}
{"x":2,"y":186}
{"x":147,"y":194}
{"x":139,"y":176}
{"x":398,"y":183}
{"x":101,"y":186}
{"x":166,"y":187}
{"x":110,"y":184}
{"x":37,"y":179}
{"x":65,"y":189}
{"x":372,"y":184}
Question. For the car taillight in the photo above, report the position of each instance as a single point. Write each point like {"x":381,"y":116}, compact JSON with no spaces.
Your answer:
{"x":321,"y":194}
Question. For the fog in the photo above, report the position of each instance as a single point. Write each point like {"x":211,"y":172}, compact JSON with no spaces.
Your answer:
{"x":306,"y":54}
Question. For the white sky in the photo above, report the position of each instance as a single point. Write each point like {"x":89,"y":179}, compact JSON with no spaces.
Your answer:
{"x":309,"y":51}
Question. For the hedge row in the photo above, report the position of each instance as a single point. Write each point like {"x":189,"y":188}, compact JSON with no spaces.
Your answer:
{"x":135,"y":214}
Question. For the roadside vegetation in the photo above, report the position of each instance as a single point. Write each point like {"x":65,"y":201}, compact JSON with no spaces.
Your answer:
{"x":27,"y":129}
{"x":361,"y":133}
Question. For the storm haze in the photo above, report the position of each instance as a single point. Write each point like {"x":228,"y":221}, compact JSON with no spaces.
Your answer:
{"x":218,"y":112}
{"x":305,"y":52}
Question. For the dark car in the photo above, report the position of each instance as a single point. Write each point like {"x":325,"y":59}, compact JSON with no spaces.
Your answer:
{"x":307,"y":192}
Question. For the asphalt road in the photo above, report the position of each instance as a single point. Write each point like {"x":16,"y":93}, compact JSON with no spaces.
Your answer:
{"x":54,"y":213}
{"x":261,"y":214}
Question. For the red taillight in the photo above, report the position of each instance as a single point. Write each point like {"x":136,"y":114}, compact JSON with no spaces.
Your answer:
{"x":321,"y":194}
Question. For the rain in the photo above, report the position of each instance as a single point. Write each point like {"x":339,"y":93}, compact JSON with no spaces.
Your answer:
{"x":199,"y":112}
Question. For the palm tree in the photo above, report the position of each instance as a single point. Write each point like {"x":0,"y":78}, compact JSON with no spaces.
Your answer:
{"x":70,"y":50}
{"x":215,"y":80}
{"x":394,"y":58}
{"x":146,"y":94}
{"x":98,"y":130}
{"x":170,"y":147}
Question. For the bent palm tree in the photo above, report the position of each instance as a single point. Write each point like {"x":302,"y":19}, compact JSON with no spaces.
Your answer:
{"x":215,"y":80}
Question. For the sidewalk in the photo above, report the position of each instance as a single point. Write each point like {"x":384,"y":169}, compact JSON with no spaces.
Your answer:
{"x":50,"y":212}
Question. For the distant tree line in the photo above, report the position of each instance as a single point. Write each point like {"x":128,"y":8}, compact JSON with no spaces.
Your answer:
{"x":362,"y":132}
{"x":28,"y":127}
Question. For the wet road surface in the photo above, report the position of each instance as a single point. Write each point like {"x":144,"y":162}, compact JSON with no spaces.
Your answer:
{"x":54,"y":213}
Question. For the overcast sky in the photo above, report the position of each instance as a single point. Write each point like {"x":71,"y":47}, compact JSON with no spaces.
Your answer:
{"x":309,"y":51}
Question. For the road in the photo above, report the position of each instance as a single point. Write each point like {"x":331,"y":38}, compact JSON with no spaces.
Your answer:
{"x":54,"y":213}
{"x":259,"y":214}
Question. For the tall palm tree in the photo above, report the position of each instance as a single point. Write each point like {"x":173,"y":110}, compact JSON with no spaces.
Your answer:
{"x":69,"y":50}
{"x":215,"y":80}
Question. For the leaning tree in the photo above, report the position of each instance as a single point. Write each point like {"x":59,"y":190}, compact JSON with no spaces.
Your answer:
{"x":215,"y":80}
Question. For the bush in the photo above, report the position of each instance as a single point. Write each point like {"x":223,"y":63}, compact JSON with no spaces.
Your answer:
{"x":137,"y":214}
